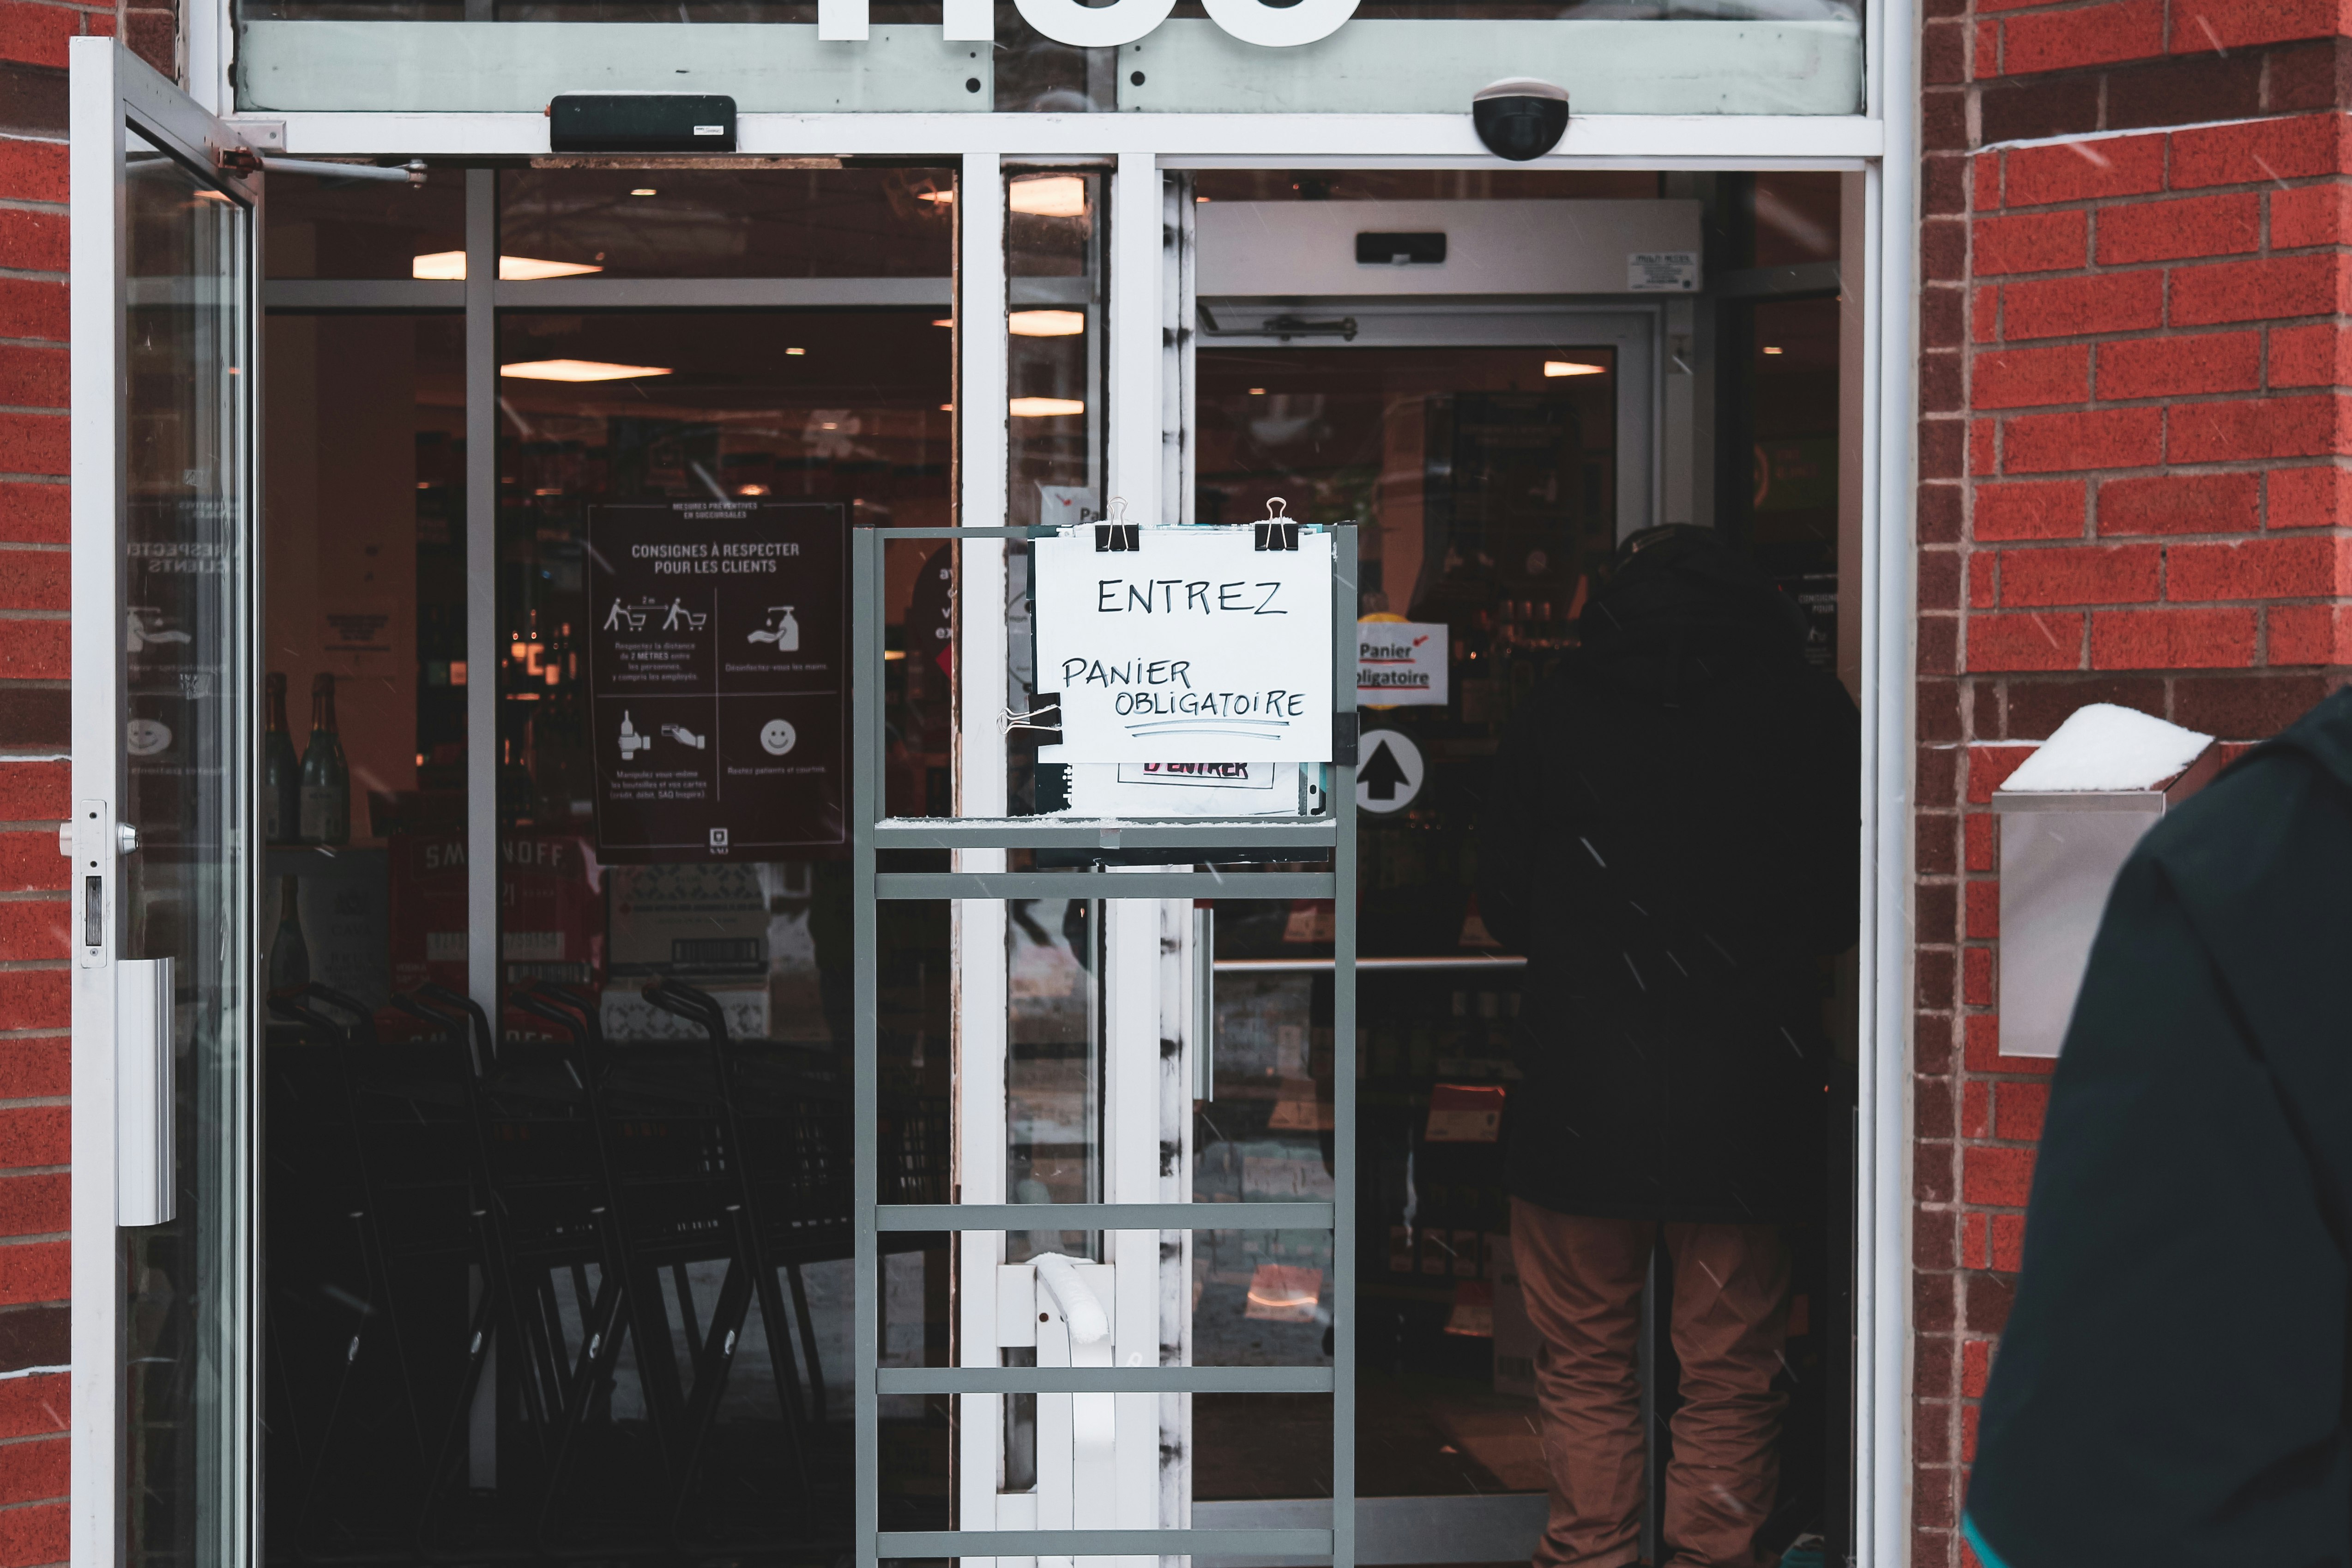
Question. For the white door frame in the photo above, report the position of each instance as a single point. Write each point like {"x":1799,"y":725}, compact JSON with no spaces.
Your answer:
{"x":1882,"y":144}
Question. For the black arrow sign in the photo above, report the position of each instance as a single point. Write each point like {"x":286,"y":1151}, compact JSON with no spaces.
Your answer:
{"x":1382,"y":772}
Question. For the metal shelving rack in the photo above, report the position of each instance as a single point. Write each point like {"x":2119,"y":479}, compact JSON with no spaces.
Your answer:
{"x":1331,"y":836}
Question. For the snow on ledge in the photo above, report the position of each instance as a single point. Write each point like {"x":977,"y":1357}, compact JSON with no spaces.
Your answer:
{"x":2104,"y":747}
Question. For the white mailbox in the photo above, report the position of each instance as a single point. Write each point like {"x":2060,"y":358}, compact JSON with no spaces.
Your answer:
{"x":2069,"y":815}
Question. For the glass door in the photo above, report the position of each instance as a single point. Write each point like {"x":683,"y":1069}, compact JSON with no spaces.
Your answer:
{"x":163,"y":815}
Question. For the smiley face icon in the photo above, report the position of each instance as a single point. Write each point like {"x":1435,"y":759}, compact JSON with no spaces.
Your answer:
{"x":778,"y":737}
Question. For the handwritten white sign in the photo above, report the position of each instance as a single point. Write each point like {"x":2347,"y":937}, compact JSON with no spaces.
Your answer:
{"x":1198,"y":645}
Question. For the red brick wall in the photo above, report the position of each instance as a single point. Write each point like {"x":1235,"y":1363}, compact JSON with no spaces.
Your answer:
{"x":34,"y":1010}
{"x":2133,"y":408}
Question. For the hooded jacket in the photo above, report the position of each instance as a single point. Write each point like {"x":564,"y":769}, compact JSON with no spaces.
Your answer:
{"x":2171,"y":1385}
{"x":1672,"y":838}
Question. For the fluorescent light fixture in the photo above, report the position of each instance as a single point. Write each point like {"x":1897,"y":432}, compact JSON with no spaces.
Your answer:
{"x":449,"y":266}
{"x":1049,"y":195}
{"x":794,"y":354}
{"x":1573,"y":367}
{"x":578,"y":370}
{"x":1772,"y":351}
{"x":944,"y":321}
{"x":947,"y":408}
{"x":1046,"y":323}
{"x":946,"y":196}
{"x":1044,"y":407}
{"x":645,"y":191}
{"x":1257,"y":392}
{"x":750,"y":489}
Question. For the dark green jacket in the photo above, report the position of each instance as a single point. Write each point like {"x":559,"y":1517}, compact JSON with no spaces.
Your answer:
{"x":2171,"y":1388}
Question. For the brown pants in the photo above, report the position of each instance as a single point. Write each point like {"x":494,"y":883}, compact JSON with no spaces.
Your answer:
{"x":1582,"y":1280}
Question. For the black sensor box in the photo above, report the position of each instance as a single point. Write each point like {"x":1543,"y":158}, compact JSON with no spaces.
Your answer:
{"x":641,"y":122}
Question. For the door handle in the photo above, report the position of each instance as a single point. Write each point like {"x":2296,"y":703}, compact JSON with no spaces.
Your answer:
{"x":143,"y":1095}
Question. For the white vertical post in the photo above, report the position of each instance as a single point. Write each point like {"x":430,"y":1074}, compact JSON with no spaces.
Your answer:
{"x":1131,"y":1175}
{"x":980,"y":791}
{"x":482,"y":628}
{"x":1137,"y":224}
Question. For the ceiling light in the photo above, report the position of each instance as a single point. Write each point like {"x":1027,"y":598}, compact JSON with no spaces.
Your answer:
{"x":1772,"y":351}
{"x":1049,"y":195}
{"x":1044,"y":407}
{"x":750,"y":489}
{"x":1046,"y":323}
{"x":1573,"y":367}
{"x":1257,"y":392}
{"x":645,"y":191}
{"x":944,"y":321}
{"x":794,"y":354}
{"x":449,"y":266}
{"x":947,"y":408}
{"x":578,"y":370}
{"x":947,"y":196}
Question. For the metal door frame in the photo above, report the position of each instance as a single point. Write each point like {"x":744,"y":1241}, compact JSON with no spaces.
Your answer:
{"x":110,"y":90}
{"x":1332,"y":835}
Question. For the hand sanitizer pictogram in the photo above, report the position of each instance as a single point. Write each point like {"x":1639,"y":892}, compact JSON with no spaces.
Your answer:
{"x":784,"y":629}
{"x":631,"y":742}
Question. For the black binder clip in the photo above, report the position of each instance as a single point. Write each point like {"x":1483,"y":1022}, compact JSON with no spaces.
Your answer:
{"x":1118,"y":534}
{"x":1277,"y":532}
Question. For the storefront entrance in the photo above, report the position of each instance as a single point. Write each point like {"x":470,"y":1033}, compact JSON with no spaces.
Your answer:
{"x":515,"y":991}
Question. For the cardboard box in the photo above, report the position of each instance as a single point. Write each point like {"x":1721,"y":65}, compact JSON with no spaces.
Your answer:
{"x":708,"y":919}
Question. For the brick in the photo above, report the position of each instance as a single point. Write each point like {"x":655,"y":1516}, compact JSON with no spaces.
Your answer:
{"x":1988,"y":769}
{"x":36,"y":998}
{"x":35,"y":1068}
{"x":32,"y":1535}
{"x":1997,"y":1178}
{"x":32,"y":170}
{"x":2246,"y":706}
{"x":39,"y":1336}
{"x":2253,"y":430}
{"x":1979,"y":850}
{"x":32,"y":377}
{"x":2201,"y":24}
{"x":2264,"y":291}
{"x":29,"y":862}
{"x":1984,"y":446}
{"x":1984,"y":315}
{"x":1944,"y":53}
{"x":2301,"y":78}
{"x":33,"y":928}
{"x":1973,"y":1113}
{"x":2304,"y":568}
{"x":2180,"y":503}
{"x":2017,"y":1111}
{"x":2315,"y":497}
{"x":1940,"y":383}
{"x":2045,"y":641}
{"x":1943,"y":250}
{"x":2096,"y":35}
{"x":1939,"y":508}
{"x":32,"y":241}
{"x":1942,"y":318}
{"x":2037,"y":708}
{"x":35,"y":1408}
{"x":34,"y":651}
{"x":36,"y":1205}
{"x":35,"y":1135}
{"x":2257,"y":153}
{"x":1931,"y":1107}
{"x":35,"y":34}
{"x":1977,"y":972}
{"x":1940,"y":579}
{"x":2319,"y":354}
{"x":36,"y":1472}
{"x":2084,"y":171}
{"x":1984,"y":181}
{"x":2046,"y":509}
{"x":2180,"y":367}
{"x":1986,"y":1299}
{"x":31,"y":308}
{"x":35,"y":580}
{"x":2173,"y":639}
{"x":36,"y":513}
{"x":1943,"y":185}
{"x":2311,"y":215}
{"x":2196,"y":90}
{"x":2309,"y":634}
{"x":2008,"y":1238}
{"x":2072,"y":306}
{"x":34,"y":1271}
{"x":1983,"y":916}
{"x":2027,"y":378}
{"x":1936,"y":910}
{"x":2105,"y":438}
{"x":35,"y":443}
{"x":2031,"y":111}
{"x":1944,"y":121}
{"x":2030,"y":242}
{"x":1984,"y":579}
{"x":154,"y":36}
{"x":2167,"y":231}
{"x":36,"y":792}
{"x":1942,"y":449}
{"x":2084,"y":575}
{"x":1939,"y":645}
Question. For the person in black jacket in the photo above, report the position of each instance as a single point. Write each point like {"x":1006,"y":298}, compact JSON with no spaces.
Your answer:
{"x":2172,"y":1383}
{"x":1672,"y":838}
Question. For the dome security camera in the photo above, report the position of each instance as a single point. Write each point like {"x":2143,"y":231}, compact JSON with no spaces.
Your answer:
{"x":1520,"y":116}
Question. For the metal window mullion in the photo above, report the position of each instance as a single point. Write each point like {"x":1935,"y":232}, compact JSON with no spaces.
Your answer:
{"x":866,"y":778}
{"x":1343,"y":1069}
{"x":482,"y":591}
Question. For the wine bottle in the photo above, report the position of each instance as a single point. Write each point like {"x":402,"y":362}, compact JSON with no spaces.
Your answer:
{"x":326,"y":778}
{"x":281,"y":772}
{"x":289,"y":955}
